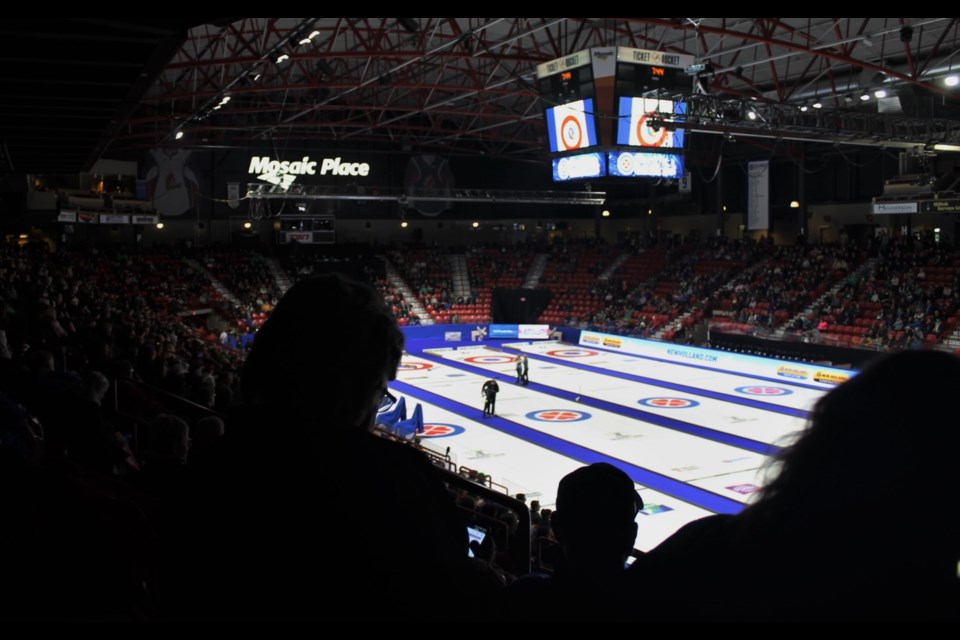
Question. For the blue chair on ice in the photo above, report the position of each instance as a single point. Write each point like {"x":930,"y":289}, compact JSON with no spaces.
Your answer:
{"x":407,"y":429}
{"x":392,"y":416}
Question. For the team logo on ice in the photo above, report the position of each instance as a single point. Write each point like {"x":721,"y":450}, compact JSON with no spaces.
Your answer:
{"x":764,"y":391}
{"x":669,"y":403}
{"x":414,"y":366}
{"x":559,"y":415}
{"x":440,"y":430}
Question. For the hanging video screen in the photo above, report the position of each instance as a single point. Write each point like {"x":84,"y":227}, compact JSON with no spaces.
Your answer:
{"x":650,"y":122}
{"x":571,"y":126}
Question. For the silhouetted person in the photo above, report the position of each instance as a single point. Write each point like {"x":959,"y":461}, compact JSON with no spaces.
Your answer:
{"x":490,"y":389}
{"x":595,"y":526}
{"x":860,"y":521}
{"x":299,"y":509}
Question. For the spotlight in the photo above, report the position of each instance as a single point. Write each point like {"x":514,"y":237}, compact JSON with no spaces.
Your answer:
{"x":951,"y":81}
{"x":817,"y":105}
{"x":880,"y":93}
{"x":178,"y":135}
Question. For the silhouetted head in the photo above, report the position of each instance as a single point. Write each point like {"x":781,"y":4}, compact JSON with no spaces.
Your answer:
{"x":327,"y":350}
{"x":168,"y":439}
{"x":879,"y":454}
{"x":39,"y":360}
{"x":595,"y":518}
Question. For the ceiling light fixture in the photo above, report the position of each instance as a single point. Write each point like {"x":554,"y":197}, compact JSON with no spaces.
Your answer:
{"x":308,"y":39}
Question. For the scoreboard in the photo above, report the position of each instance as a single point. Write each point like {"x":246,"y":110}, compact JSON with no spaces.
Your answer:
{"x":566,"y":79}
{"x":567,"y":88}
{"x":615,"y":111}
{"x":640,"y":71}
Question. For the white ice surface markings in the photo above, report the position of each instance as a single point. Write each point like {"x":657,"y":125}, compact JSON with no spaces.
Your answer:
{"x":694,"y":376}
{"x":528,"y":468}
{"x":696,"y":461}
{"x":744,"y":421}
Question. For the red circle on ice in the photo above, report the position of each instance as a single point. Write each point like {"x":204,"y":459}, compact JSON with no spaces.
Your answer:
{"x":669,"y":403}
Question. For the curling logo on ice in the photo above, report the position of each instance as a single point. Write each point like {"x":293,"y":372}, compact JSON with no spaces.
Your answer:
{"x":283,"y":173}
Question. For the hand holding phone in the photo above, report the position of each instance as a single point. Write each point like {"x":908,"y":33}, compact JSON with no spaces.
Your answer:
{"x":476,"y":534}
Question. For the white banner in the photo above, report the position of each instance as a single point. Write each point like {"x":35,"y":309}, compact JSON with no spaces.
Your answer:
{"x":114,"y":218}
{"x":67,"y":216}
{"x":824,"y":377}
{"x":895,"y":207}
{"x":758,"y":189}
{"x":142,"y":219}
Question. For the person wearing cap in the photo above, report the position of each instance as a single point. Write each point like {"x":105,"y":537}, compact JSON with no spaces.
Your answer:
{"x":595,"y":525}
{"x":595,"y":521}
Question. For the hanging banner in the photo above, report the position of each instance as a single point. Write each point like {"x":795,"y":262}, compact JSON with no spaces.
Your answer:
{"x":758,"y":190}
{"x":233,"y":194}
{"x":66,"y":215}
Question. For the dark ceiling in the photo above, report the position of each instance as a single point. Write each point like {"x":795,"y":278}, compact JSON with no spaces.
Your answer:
{"x":69,"y":85}
{"x":76,"y":90}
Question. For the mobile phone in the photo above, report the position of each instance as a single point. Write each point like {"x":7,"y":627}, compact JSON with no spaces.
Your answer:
{"x":475,"y":532}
